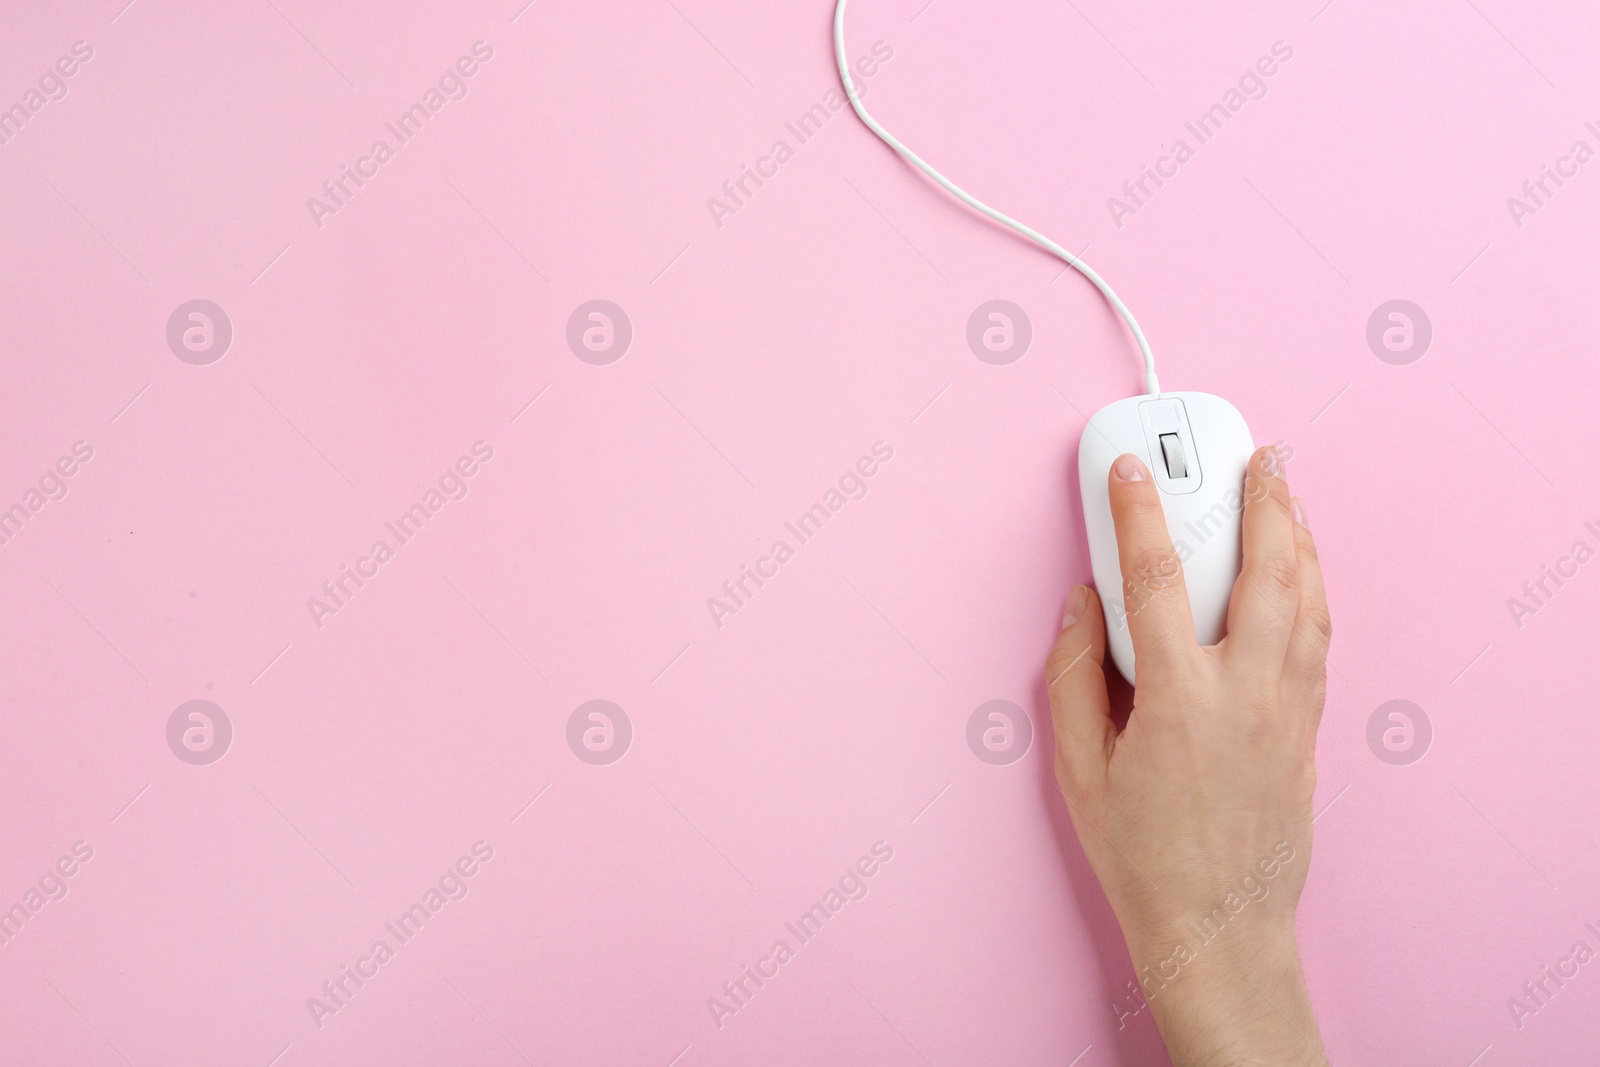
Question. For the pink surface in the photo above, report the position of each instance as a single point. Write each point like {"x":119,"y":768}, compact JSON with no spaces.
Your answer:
{"x":774,"y":343}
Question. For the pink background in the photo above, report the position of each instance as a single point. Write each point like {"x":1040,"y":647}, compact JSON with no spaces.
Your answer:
{"x":828,"y":313}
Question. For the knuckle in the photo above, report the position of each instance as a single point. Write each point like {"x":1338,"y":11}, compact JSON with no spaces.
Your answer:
{"x":1305,"y":546}
{"x":1276,"y":575}
{"x":1183,"y":682}
{"x":1318,"y":625}
{"x":1148,"y":573}
{"x":1066,"y":657}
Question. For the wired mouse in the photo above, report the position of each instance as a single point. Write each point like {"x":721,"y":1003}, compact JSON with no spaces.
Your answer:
{"x":1196,"y":447}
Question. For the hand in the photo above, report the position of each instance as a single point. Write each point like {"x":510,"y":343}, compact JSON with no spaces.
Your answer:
{"x":1196,"y":817}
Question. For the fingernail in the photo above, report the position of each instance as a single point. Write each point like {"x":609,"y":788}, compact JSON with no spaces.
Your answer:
{"x":1128,"y":468}
{"x":1075,"y":602}
{"x":1271,"y":463}
{"x":1297,"y":508}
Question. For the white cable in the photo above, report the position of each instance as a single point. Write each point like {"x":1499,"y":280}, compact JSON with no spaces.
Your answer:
{"x":1150,"y":384}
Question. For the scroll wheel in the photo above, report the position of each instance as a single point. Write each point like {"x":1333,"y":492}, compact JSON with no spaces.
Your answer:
{"x":1172,"y":453}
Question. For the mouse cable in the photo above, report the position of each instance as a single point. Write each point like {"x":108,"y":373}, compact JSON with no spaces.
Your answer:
{"x":1150,"y":384}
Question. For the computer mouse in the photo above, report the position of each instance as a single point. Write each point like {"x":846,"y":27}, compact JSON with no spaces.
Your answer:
{"x":1196,"y":447}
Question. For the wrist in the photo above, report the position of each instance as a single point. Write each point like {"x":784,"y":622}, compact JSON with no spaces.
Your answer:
{"x":1229,"y":998}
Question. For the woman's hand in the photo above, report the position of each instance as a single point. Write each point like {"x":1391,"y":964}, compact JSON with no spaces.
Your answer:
{"x":1196,"y":817}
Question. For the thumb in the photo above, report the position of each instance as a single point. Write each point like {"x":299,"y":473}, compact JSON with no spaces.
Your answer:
{"x":1076,"y":680}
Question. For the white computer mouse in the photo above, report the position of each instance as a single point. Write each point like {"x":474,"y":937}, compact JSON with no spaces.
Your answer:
{"x":1197,"y":447}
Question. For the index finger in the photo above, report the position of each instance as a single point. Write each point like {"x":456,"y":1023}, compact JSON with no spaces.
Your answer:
{"x":1154,"y":597}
